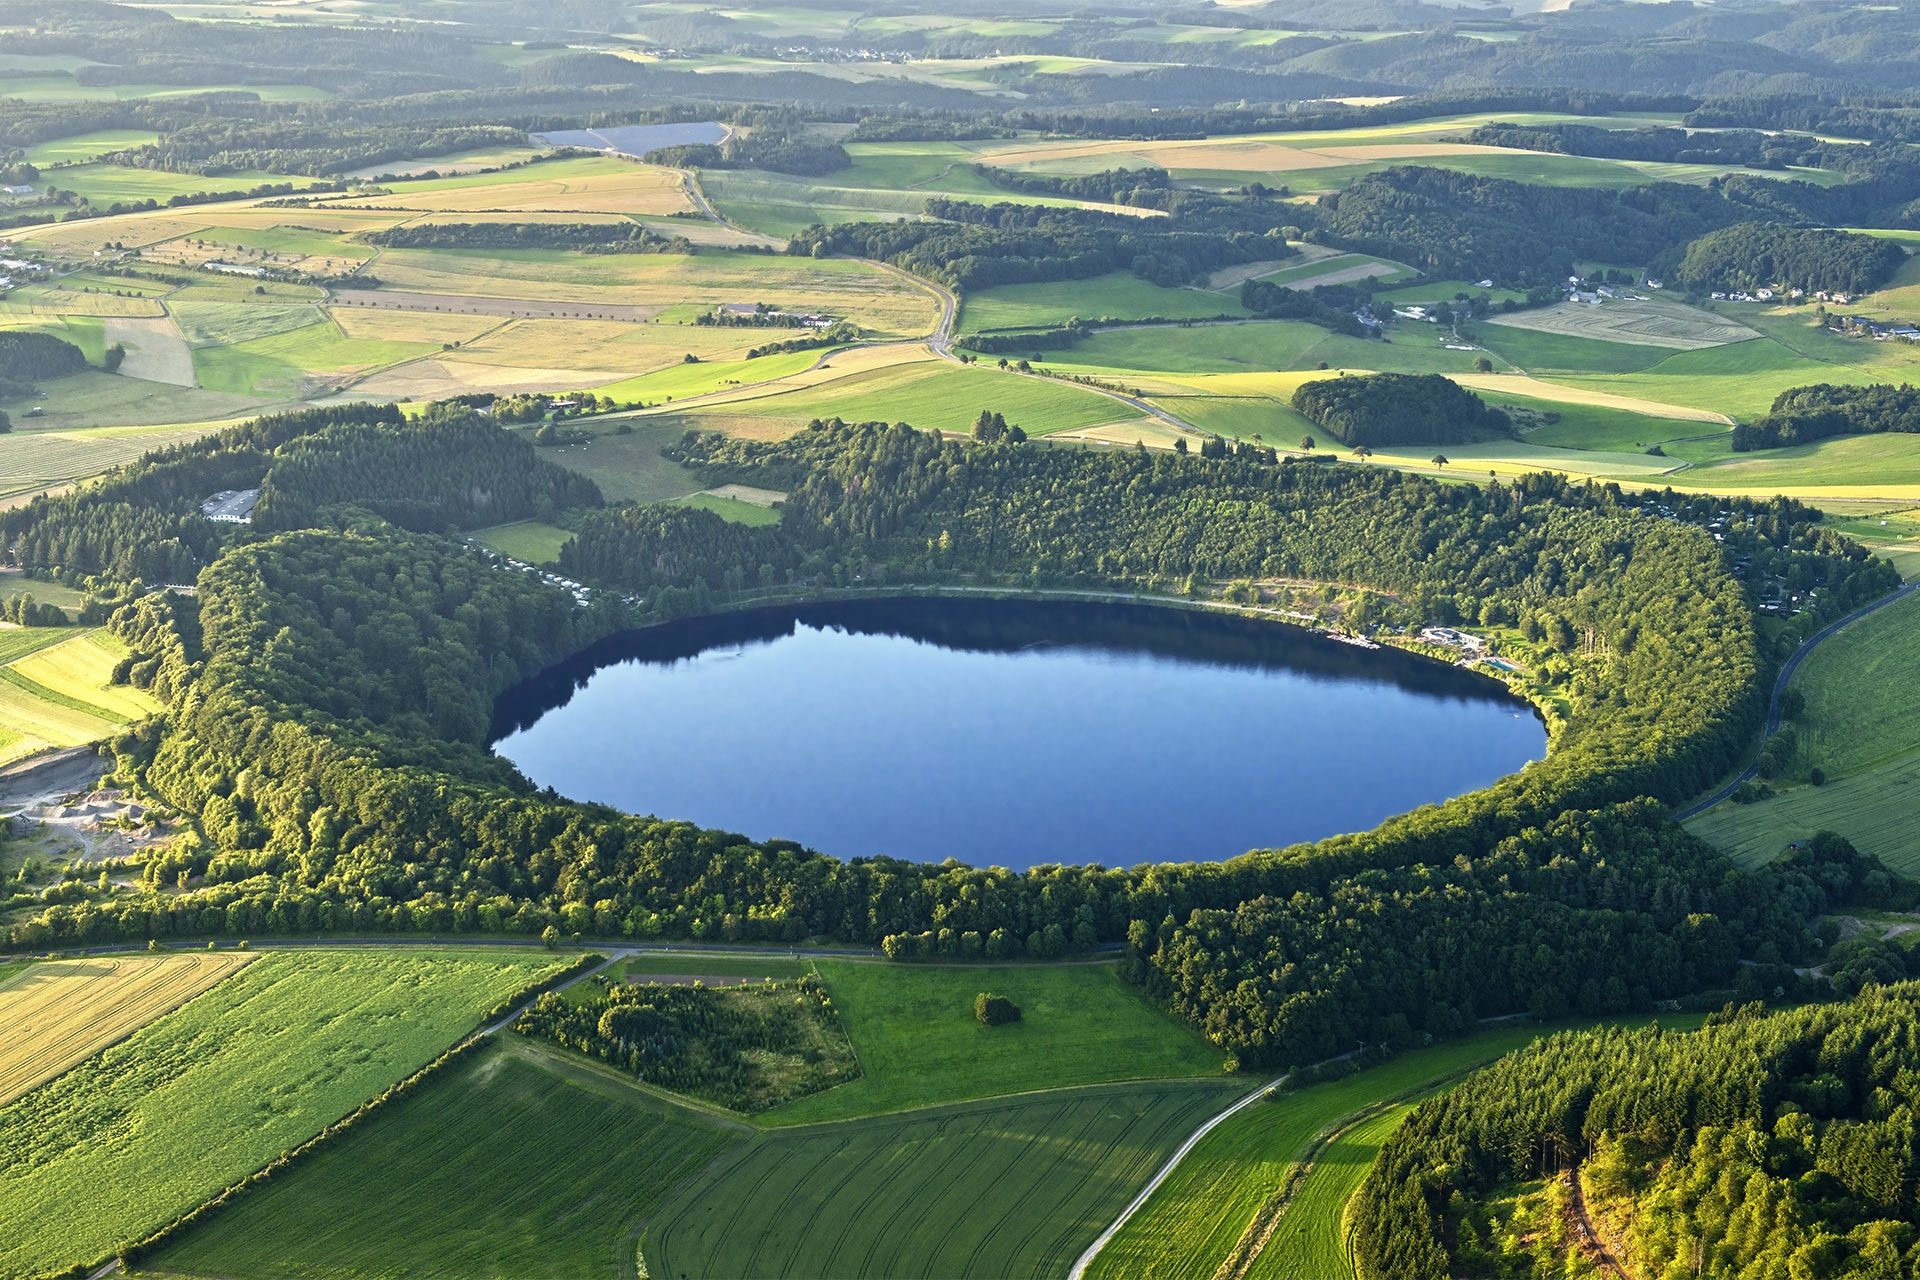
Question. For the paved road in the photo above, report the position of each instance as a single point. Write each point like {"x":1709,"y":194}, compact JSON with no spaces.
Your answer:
{"x":1787,"y":668}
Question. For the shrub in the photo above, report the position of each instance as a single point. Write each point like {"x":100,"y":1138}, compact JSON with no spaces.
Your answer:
{"x":993,"y":1010}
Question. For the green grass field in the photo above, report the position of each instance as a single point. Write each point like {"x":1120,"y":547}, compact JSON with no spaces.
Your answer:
{"x":518,"y":1162}
{"x":56,"y":690}
{"x":527,"y":540}
{"x":732,"y":509}
{"x":1011,"y":1187}
{"x":141,"y":1133}
{"x":919,"y":1043}
{"x":1119,"y":295}
{"x":106,"y":184}
{"x":1861,"y":727}
{"x":930,"y":393}
{"x":86,"y":146}
{"x":630,"y":468}
{"x":1310,"y":1243}
{"x":287,"y":363}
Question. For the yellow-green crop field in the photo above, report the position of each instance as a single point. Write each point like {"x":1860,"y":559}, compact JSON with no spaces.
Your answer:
{"x":62,"y":1012}
{"x":61,"y":694}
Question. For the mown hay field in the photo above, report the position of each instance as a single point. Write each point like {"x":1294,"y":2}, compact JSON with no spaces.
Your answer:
{"x":516,"y":1162}
{"x":1645,"y":322}
{"x":1012,"y":1187}
{"x":579,"y":184}
{"x":145,"y":1130}
{"x":62,"y":1012}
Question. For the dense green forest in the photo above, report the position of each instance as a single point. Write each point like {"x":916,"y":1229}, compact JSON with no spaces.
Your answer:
{"x":1762,"y":1145}
{"x":1756,"y":255}
{"x":1146,"y":187}
{"x":1804,"y":414}
{"x":27,"y":358}
{"x":1398,"y":408}
{"x":1329,"y":306}
{"x":1464,"y":226}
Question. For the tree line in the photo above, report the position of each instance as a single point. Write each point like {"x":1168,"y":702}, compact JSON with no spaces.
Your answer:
{"x":576,"y":237}
{"x":974,"y":246}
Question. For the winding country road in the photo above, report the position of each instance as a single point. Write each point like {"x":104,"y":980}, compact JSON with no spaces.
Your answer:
{"x":1787,"y":668}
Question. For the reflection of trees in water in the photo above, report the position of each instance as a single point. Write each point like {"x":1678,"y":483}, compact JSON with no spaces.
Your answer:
{"x":1012,"y":627}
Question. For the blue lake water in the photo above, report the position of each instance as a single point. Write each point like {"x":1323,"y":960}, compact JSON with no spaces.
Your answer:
{"x":1011,"y":733}
{"x":637,"y":139}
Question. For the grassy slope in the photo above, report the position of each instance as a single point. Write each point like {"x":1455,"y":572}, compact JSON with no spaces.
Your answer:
{"x":630,"y":468}
{"x":515,"y":1163}
{"x":528,"y":540}
{"x":1119,"y":294}
{"x":930,"y":393}
{"x":732,"y":509}
{"x":919,"y":1044}
{"x":123,"y":1143}
{"x":1862,"y":727}
{"x":1009,"y":1187}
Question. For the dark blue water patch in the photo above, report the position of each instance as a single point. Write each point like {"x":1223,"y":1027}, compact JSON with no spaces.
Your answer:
{"x":637,"y":139}
{"x":1011,"y":733}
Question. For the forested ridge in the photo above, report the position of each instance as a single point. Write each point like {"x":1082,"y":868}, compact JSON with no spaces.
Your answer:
{"x":330,"y":691}
{"x":1762,"y":1145}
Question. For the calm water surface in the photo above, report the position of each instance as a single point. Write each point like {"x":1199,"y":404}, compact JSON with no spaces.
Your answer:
{"x":1011,"y":733}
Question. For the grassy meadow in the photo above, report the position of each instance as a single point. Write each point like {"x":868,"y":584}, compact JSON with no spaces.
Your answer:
{"x":1859,"y":728}
{"x":120,"y":1144}
{"x":919,"y":1044}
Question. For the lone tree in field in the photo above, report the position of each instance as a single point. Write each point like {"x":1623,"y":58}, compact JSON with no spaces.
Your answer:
{"x":993,"y":1010}
{"x":1439,"y":459}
